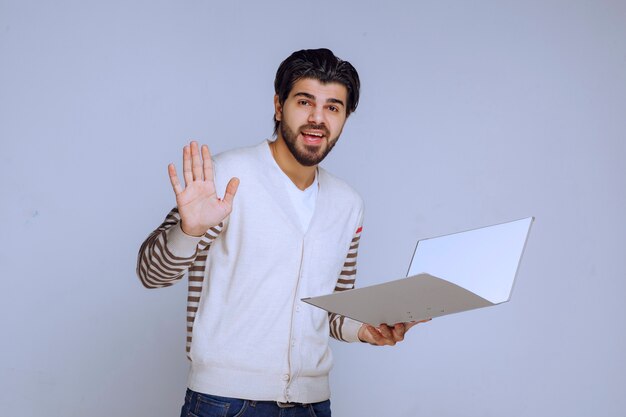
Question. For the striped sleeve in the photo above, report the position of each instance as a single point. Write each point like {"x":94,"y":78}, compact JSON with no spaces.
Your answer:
{"x":343,"y":328}
{"x":194,"y":290}
{"x":168,"y":253}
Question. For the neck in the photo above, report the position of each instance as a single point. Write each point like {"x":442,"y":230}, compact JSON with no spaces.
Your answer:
{"x":299,"y":174}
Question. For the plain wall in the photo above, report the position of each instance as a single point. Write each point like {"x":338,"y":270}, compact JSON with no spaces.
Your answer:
{"x":471,"y":113}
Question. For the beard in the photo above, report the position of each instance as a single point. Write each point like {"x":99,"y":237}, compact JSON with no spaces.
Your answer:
{"x":305,"y":154}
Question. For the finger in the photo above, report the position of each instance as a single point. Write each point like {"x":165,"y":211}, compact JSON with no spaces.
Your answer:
{"x":385,"y":337}
{"x":398,"y":331}
{"x":196,"y":162}
{"x":207,"y":163}
{"x":375,"y":336}
{"x":410,"y":324}
{"x":385,"y":331}
{"x":231,"y":189}
{"x":171,"y":170}
{"x":187,"y":175}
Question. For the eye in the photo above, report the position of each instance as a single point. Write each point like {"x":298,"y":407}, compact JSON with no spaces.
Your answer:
{"x":333,"y":108}
{"x":303,"y":102}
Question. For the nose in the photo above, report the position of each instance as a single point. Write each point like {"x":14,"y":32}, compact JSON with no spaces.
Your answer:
{"x":316,"y":115}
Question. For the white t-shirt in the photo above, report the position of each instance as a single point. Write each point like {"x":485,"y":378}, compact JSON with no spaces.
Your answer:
{"x":304,"y":201}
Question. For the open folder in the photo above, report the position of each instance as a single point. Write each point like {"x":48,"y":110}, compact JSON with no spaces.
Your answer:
{"x":448,"y":274}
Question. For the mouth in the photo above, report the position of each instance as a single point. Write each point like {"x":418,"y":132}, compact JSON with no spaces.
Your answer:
{"x":313,"y":137}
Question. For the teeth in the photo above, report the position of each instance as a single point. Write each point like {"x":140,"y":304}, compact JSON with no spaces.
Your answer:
{"x":319,"y":135}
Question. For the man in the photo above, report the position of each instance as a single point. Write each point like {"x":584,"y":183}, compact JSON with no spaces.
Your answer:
{"x":291,"y":232}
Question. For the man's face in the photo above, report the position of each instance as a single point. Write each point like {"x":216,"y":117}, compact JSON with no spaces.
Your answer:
{"x":311,"y":119}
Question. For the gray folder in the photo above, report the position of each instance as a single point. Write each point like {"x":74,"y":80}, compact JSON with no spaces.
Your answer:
{"x":448,"y":274}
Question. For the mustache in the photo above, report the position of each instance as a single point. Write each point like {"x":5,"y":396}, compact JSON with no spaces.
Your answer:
{"x":323,"y":128}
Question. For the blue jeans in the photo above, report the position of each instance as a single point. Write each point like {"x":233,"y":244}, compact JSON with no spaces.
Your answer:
{"x":205,"y":405}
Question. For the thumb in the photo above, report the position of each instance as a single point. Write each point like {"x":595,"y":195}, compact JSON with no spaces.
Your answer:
{"x":231,"y":190}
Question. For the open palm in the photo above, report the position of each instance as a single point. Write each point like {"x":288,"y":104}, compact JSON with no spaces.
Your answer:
{"x":198,"y":204}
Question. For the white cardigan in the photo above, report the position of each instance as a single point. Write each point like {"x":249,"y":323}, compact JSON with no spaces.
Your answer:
{"x":251,"y":336}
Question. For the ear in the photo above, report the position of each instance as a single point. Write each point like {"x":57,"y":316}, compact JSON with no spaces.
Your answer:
{"x":278,"y":108}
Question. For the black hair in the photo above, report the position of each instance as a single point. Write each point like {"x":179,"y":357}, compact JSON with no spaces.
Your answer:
{"x":322,"y":65}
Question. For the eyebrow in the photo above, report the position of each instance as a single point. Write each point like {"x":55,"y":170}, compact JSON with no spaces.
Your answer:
{"x":312,"y":97}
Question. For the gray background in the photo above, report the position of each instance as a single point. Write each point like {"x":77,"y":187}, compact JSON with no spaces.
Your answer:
{"x":472,"y":113}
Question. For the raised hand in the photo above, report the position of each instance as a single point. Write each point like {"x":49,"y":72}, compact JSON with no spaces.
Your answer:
{"x":198,"y":204}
